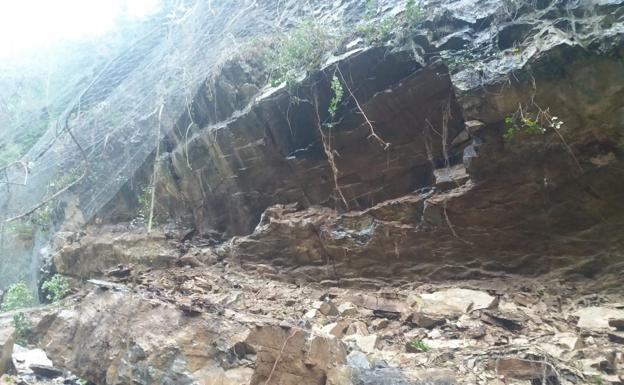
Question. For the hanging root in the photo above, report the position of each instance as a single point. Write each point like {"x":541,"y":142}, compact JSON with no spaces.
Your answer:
{"x":373,"y":134}
{"x":329,"y":153}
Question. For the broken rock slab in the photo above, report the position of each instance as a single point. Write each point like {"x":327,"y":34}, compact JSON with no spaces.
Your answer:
{"x":597,"y":317}
{"x":435,"y":309}
{"x":23,"y":358}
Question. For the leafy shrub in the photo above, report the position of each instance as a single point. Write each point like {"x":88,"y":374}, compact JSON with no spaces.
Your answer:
{"x":338,"y":92}
{"x":18,"y":296}
{"x":56,"y":288}
{"x":23,"y":327}
{"x":299,"y":51}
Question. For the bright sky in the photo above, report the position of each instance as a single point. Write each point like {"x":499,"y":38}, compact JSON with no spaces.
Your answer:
{"x":30,"y":24}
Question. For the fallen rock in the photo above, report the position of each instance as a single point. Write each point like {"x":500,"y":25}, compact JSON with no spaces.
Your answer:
{"x":427,"y":321}
{"x":357,"y":327}
{"x":328,"y":308}
{"x":597,"y":317}
{"x":23,"y":358}
{"x":523,"y":369}
{"x":46,"y":371}
{"x":347,"y":309}
{"x":367,"y":344}
{"x":454,"y":302}
{"x":507,"y":320}
{"x":357,"y":359}
{"x":570,"y":341}
{"x":617,"y":337}
{"x":336,"y":329}
{"x":7,"y":340}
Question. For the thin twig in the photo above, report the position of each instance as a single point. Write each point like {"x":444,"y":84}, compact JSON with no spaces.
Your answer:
{"x":279,"y":356}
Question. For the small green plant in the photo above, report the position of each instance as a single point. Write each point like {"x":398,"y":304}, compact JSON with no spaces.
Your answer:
{"x":597,"y":380}
{"x":338,"y":92}
{"x":300,"y":51}
{"x":18,"y":296}
{"x":23,"y":327}
{"x":419,"y":345}
{"x":375,"y":31}
{"x":413,"y":13}
{"x":56,"y":288}
{"x":524,"y":124}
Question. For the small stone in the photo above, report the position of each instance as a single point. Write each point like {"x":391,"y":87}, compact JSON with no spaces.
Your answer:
{"x":310,"y":314}
{"x":380,"y":323}
{"x":336,"y":329}
{"x":328,"y":308}
{"x":427,"y":321}
{"x":358,"y":359}
{"x":367,"y":344}
{"x":357,"y":327}
{"x":474,"y":126}
{"x":347,"y":309}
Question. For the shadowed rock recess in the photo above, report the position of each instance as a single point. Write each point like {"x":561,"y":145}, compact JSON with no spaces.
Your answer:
{"x":458,"y":221}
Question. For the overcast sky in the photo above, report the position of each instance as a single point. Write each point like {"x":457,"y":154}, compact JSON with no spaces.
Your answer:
{"x":31,"y":24}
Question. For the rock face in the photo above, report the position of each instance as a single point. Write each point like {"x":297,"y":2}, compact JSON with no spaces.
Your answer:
{"x":7,"y":339}
{"x":445,"y":181}
{"x":94,"y":253}
{"x":273,"y":152}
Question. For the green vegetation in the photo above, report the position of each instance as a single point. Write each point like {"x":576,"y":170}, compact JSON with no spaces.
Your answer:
{"x":7,"y":379}
{"x":18,"y":296}
{"x":413,"y":13}
{"x":56,"y":288}
{"x":300,"y":51}
{"x":23,"y":327}
{"x":375,"y":31}
{"x":419,"y":345}
{"x":338,"y":93}
{"x":523,"y":124}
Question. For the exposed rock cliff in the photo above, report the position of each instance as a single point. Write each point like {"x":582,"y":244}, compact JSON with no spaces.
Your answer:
{"x":301,"y":247}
